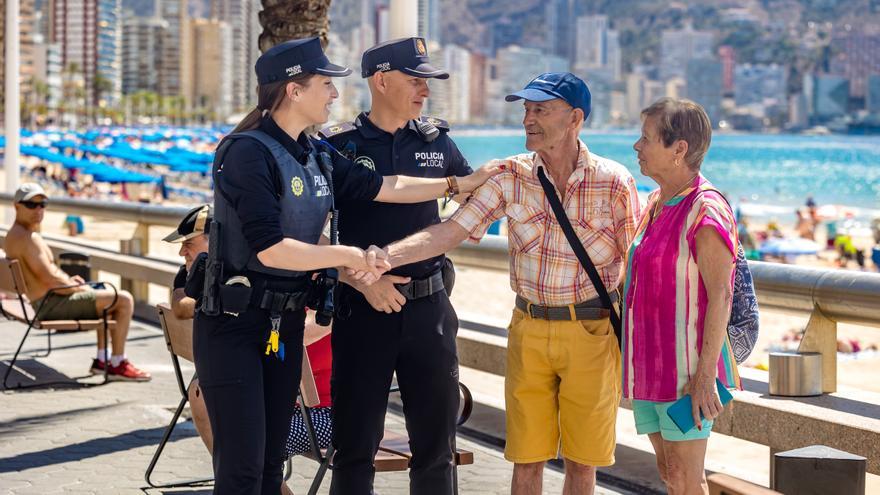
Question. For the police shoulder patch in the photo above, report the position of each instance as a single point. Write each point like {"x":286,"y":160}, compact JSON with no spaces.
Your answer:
{"x":438,"y":123}
{"x":336,"y":129}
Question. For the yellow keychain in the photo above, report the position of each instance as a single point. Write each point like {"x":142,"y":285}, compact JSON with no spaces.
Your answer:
{"x":273,"y":343}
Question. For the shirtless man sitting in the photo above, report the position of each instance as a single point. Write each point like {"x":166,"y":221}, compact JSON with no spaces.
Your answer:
{"x":75,"y":301}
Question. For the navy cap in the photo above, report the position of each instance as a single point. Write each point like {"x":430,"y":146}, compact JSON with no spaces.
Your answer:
{"x":551,"y":85}
{"x":294,"y":57}
{"x":408,"y":55}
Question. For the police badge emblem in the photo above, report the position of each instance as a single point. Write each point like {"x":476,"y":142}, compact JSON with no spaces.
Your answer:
{"x":296,"y":186}
{"x":420,"y":47}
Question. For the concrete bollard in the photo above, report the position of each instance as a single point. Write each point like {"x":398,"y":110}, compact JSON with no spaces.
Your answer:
{"x":818,"y":470}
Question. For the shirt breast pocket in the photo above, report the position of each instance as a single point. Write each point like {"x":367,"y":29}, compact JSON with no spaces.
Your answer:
{"x":525,"y":226}
{"x":597,"y":236}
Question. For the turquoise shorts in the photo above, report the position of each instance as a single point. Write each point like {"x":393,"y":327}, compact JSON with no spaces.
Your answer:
{"x":651,"y":417}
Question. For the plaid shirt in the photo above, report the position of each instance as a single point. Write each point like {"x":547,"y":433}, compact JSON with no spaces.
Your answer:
{"x":601,"y":203}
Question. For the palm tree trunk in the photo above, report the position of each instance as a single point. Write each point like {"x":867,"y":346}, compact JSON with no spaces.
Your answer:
{"x":284,"y":20}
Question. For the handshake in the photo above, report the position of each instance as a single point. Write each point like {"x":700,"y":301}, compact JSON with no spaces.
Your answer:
{"x":367,"y":266}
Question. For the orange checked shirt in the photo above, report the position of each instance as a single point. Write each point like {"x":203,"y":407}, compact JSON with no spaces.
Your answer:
{"x":601,"y":203}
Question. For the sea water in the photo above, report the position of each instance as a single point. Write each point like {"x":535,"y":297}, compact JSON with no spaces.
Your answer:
{"x":769,"y":175}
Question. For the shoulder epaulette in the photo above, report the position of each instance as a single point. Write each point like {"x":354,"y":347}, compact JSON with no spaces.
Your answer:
{"x":336,"y":129}
{"x":438,"y":123}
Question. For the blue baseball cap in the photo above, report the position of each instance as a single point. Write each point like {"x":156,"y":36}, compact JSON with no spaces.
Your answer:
{"x":291,"y":58}
{"x":550,"y":85}
{"x":408,"y":55}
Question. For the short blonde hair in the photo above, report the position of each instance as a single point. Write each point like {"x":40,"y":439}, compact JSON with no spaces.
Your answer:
{"x":678,"y":118}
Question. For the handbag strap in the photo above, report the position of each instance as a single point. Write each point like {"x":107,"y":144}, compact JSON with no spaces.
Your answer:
{"x":707,"y":189}
{"x":580,"y":252}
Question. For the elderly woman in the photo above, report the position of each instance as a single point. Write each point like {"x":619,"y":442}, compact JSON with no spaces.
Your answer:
{"x":678,"y":293}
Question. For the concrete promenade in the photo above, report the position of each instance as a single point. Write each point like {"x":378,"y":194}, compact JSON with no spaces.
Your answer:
{"x":100,"y":439}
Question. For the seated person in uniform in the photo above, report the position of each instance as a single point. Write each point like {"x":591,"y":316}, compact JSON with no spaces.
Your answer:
{"x":192,"y":234}
{"x":73,"y":300}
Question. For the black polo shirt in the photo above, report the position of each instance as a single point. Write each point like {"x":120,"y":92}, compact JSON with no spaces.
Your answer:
{"x":251,"y":181}
{"x":404,"y":152}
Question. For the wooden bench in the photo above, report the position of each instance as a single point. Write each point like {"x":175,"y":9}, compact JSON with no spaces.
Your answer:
{"x":394,"y":452}
{"x":723,"y":484}
{"x":19,"y":308}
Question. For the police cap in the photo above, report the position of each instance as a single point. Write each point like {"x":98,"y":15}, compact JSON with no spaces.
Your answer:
{"x":551,"y":85}
{"x":291,"y":58}
{"x":408,"y":55}
{"x":196,"y":222}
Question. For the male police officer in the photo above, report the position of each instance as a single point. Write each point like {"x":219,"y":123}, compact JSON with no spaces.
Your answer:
{"x":404,"y":322}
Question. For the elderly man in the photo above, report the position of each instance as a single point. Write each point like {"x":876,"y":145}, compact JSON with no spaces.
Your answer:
{"x":563,"y":359}
{"x":192,"y":235}
{"x":70,"y":298}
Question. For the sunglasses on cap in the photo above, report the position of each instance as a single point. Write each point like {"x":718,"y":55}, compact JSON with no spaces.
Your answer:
{"x":33,"y":205}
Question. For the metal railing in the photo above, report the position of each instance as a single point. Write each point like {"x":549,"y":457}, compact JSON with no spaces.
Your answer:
{"x":829,"y":296}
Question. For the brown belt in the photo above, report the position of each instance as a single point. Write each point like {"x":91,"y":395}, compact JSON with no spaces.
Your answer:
{"x":587,"y":310}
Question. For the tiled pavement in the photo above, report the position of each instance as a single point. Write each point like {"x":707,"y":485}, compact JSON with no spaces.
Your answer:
{"x":100,"y":439}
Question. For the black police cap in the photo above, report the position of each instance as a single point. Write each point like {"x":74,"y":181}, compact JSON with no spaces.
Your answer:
{"x":291,"y":58}
{"x":408,"y":55}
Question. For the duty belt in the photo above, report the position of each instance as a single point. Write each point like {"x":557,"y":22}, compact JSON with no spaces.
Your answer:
{"x":283,"y":301}
{"x":416,"y":289}
{"x":587,"y":310}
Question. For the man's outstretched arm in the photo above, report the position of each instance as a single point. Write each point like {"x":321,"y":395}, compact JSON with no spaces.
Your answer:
{"x":433,"y":241}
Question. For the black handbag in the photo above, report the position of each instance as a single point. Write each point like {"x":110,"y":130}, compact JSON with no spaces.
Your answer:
{"x":581,"y":253}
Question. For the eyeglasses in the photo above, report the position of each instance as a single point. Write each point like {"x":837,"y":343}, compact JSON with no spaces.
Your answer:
{"x":33,"y":205}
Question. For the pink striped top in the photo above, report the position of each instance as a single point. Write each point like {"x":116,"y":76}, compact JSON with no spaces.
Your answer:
{"x":665,"y":303}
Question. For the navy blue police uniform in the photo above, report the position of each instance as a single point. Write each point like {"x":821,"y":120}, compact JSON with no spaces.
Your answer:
{"x":418,"y":343}
{"x":268,"y":186}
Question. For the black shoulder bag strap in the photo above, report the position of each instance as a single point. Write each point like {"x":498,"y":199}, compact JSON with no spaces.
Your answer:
{"x":580,"y":252}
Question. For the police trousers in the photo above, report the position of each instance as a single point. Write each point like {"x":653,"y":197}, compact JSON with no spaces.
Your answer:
{"x":369,"y":346}
{"x":249,"y":396}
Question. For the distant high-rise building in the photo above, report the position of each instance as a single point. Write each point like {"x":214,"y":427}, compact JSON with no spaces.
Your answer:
{"x":727,"y":55}
{"x":856,"y":56}
{"x":514,"y":67}
{"x":26,"y":27}
{"x":704,"y":82}
{"x":88,"y":33}
{"x":560,"y":20}
{"x":143,"y":41}
{"x":591,"y":50}
{"x":451,"y":98}
{"x":242,"y":18}
{"x":798,"y":116}
{"x":634,"y":99}
{"x":614,"y":58}
{"x":173,"y":66}
{"x":872,"y":97}
{"x":830,"y":97}
{"x":478,"y":90}
{"x":429,"y":20}
{"x":211,"y":84}
{"x":597,"y":48}
{"x":383,"y":23}
{"x":354,"y":95}
{"x":677,"y":47}
{"x":760,"y":84}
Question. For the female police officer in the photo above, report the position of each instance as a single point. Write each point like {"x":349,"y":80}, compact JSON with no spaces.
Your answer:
{"x":274,"y":189}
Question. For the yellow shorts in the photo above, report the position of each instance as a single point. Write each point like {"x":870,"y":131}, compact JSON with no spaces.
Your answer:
{"x":562,"y":384}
